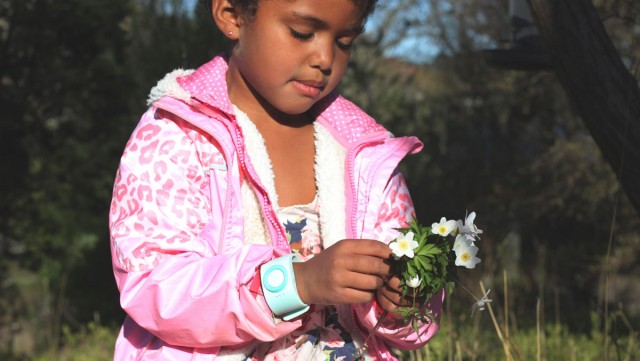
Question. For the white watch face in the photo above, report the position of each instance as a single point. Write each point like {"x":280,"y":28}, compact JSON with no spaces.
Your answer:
{"x":275,"y":279}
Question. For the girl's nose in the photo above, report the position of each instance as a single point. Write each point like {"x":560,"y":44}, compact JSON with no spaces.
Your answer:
{"x":323,"y":56}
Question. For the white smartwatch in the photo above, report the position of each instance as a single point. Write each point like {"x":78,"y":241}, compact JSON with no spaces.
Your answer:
{"x":279,"y":287}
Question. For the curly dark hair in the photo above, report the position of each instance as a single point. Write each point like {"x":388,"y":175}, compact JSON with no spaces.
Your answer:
{"x":248,"y":8}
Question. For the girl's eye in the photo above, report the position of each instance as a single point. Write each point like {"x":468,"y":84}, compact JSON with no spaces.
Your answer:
{"x":301,"y":36}
{"x":344,"y":46}
{"x":345,"y":41}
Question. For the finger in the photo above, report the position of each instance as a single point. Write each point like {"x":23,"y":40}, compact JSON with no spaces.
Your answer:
{"x":365,"y":265}
{"x":371,"y":265}
{"x":389,"y":295}
{"x":350,"y":296}
{"x":395,"y":296}
{"x":395,"y":284}
{"x":356,"y":296}
{"x":368,"y":247}
{"x":386,"y":304}
{"x":364,"y":282}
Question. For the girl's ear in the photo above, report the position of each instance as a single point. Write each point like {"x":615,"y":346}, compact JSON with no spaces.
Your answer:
{"x":227,"y":18}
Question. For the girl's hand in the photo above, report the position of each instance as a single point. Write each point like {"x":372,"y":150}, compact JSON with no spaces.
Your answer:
{"x":350,"y":271}
{"x":389,"y":296}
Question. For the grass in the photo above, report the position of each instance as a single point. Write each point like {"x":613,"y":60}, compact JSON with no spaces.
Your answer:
{"x":95,"y":343}
{"x":493,"y":334}
{"x":559,"y":345}
{"x":484,"y":337}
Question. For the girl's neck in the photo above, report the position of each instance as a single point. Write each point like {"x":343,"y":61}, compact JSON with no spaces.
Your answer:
{"x":260,"y":111}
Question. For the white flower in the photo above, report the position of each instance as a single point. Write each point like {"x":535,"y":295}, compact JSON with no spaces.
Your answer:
{"x":414,"y":282}
{"x":403,"y":245}
{"x":481,"y":303}
{"x":462,"y":241}
{"x":470,"y":229}
{"x":459,"y":227}
{"x":466,"y":256}
{"x":444,"y":227}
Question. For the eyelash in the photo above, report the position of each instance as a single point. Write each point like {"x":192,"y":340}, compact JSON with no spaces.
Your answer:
{"x":301,"y":36}
{"x":304,"y":37}
{"x":344,"y":46}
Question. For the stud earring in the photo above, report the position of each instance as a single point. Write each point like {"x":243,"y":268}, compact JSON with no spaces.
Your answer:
{"x":229,"y":32}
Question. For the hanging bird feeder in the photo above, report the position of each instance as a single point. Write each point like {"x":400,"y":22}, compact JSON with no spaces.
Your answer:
{"x":526,"y":51}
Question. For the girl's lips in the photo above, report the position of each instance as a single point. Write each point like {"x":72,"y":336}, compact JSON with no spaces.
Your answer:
{"x":310,"y":89}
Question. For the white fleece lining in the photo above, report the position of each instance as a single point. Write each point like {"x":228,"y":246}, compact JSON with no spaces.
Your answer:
{"x":258,"y":155}
{"x":255,"y":229}
{"x":329,"y":169}
{"x":169,"y":86}
{"x":330,"y":178}
{"x":329,"y":174}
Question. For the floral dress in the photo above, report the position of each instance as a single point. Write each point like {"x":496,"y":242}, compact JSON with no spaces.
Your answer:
{"x":322,"y":337}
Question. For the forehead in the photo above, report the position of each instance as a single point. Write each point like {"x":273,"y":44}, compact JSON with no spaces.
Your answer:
{"x":350,"y":13}
{"x":360,"y":4}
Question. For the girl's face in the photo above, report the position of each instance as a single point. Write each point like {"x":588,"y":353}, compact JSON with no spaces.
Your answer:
{"x":292,"y":53}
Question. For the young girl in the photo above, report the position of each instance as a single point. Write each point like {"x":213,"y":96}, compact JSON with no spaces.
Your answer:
{"x":253,"y":205}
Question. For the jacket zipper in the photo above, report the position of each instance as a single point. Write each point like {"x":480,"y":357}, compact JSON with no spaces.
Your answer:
{"x":267,"y":208}
{"x":227,"y":199}
{"x":234,"y":131}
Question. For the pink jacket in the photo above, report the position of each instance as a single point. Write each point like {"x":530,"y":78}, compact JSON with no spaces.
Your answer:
{"x":180,"y":258}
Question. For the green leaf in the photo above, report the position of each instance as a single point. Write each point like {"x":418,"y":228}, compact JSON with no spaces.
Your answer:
{"x":424,"y":263}
{"x":411,"y":269}
{"x":423,"y":251}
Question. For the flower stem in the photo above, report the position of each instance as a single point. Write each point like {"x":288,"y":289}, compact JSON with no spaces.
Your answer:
{"x":360,"y":352}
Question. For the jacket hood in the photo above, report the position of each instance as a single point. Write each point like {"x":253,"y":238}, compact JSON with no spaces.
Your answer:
{"x":170,"y":87}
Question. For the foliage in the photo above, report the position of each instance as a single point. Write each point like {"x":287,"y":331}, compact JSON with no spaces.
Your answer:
{"x":93,"y":344}
{"x":622,"y":21}
{"x":73,"y":81}
{"x":508,"y":145}
{"x":57,"y":95}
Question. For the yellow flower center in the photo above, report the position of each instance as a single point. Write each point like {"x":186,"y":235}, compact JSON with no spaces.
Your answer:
{"x":465,"y":257}
{"x":442,"y":229}
{"x":403,"y":245}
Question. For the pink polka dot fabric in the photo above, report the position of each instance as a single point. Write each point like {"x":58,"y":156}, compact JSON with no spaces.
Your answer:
{"x":349,"y":121}
{"x":208,"y":84}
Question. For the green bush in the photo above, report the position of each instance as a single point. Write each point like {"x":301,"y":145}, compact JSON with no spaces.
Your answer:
{"x":479,"y":342}
{"x":95,"y":343}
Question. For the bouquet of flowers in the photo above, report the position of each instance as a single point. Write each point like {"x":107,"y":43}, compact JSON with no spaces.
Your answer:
{"x":425,"y":260}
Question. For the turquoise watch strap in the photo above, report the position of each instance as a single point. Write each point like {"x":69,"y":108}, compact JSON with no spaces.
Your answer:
{"x":279,"y":287}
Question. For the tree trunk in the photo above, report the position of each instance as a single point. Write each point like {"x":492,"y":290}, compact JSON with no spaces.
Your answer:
{"x":601,"y":88}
